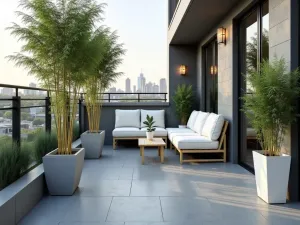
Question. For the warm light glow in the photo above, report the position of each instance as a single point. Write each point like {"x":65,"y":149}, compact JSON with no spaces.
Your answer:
{"x":221,"y":35}
{"x":213,"y":70}
{"x":182,"y":70}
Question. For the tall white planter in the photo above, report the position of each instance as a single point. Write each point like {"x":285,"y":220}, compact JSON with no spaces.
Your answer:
{"x":271,"y":176}
{"x":93,"y":144}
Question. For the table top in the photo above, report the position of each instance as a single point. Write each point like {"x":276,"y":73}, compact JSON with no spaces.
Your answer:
{"x":155,"y":142}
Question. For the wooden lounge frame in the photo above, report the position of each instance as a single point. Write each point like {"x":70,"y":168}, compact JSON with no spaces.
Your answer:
{"x":221,"y":149}
{"x":116,"y":139}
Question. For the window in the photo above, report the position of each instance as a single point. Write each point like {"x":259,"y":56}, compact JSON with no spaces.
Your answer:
{"x":253,"y":49}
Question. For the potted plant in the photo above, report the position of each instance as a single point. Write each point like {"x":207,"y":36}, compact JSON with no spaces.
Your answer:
{"x":150,"y":128}
{"x":55,"y":36}
{"x":183,"y":99}
{"x":270,"y":109}
{"x":100,"y":75}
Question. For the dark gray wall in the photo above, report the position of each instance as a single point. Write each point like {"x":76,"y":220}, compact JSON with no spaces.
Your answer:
{"x":186,"y":55}
{"x":172,"y":7}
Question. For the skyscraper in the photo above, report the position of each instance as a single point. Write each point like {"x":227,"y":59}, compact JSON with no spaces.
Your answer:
{"x":163,"y":85}
{"x":155,"y":88}
{"x":127,"y":86}
{"x":141,"y":83}
{"x":134,"y":88}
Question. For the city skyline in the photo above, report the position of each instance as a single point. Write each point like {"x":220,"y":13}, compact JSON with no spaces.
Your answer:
{"x":152,"y":58}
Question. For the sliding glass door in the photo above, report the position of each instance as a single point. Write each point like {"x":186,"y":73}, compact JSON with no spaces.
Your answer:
{"x":254,"y":48}
{"x":211,"y":76}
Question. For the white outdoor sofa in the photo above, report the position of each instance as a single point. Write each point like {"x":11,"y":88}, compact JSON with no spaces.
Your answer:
{"x":129,"y":125}
{"x":205,"y":133}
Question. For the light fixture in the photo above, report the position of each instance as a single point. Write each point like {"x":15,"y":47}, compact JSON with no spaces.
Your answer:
{"x":221,"y":35}
{"x":182,"y":70}
{"x":213,"y":70}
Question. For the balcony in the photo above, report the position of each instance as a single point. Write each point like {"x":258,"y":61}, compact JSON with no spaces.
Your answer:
{"x":117,"y":189}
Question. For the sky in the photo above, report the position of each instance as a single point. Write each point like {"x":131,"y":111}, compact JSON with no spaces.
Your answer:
{"x":141,"y":25}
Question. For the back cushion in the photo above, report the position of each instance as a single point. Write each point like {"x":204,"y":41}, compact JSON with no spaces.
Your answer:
{"x":158,"y":117}
{"x":213,"y":126}
{"x":200,"y":121}
{"x":127,"y":118}
{"x":192,"y":119}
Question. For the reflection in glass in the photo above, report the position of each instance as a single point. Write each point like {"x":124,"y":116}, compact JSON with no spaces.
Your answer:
{"x":251,"y":50}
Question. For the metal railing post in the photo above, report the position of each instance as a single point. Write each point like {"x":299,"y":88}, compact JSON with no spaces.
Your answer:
{"x":48,"y":116}
{"x":16,"y":119}
{"x":108,"y":97}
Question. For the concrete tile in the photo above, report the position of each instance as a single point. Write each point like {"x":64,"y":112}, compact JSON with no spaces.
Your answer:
{"x":50,"y":210}
{"x":89,"y":223}
{"x":88,"y":209}
{"x":104,"y":188}
{"x":163,"y":188}
{"x":135,"y":209}
{"x":100,"y":173}
{"x":180,"y":209}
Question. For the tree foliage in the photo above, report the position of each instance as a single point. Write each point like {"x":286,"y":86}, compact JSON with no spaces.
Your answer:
{"x":271,"y":107}
{"x":56,"y":36}
{"x":101,"y":72}
{"x":183,"y":99}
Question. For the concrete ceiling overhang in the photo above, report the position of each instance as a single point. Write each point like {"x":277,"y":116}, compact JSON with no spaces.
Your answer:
{"x":194,"y":19}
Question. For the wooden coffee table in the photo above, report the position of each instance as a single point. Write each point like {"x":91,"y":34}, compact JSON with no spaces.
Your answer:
{"x":156,"y":142}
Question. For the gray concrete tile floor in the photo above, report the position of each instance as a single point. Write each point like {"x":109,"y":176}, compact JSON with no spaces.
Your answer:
{"x":118,"y":190}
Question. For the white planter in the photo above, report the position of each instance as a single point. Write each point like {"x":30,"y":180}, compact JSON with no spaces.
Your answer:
{"x":63,"y":172}
{"x":182,"y":126}
{"x":272,"y":176}
{"x":93,"y":144}
{"x":150,"y":135}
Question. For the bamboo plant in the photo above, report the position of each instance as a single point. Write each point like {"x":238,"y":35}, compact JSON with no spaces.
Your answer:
{"x":102,"y":75}
{"x":55,"y":36}
{"x":270,"y":107}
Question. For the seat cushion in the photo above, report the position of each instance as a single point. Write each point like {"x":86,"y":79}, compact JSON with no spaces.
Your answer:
{"x":128,"y":132}
{"x":192,"y":119}
{"x":159,"y":132}
{"x":213,"y":126}
{"x":194,"y":142}
{"x":172,"y":135}
{"x":158,"y":117}
{"x":179,"y":130}
{"x":200,"y":121}
{"x":128,"y":118}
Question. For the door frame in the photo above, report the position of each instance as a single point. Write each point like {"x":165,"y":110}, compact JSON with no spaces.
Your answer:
{"x":203,"y":73}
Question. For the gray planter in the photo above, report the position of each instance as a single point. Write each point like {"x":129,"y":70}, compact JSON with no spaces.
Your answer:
{"x":93,"y":144}
{"x":63,"y":172}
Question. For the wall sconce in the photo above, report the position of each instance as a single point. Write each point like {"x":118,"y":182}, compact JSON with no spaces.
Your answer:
{"x":213,"y":70}
{"x":182,"y":70}
{"x":221,"y":35}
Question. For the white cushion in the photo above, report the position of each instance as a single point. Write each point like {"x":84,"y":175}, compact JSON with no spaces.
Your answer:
{"x":127,"y":118}
{"x":213,"y":126}
{"x":128,"y":132}
{"x":194,"y":142}
{"x":159,"y":132}
{"x":200,"y":121}
{"x":172,"y":135}
{"x":158,"y":117}
{"x":179,"y":130}
{"x":192,"y":119}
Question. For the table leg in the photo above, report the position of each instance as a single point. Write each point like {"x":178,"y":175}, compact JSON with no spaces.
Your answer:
{"x":162,"y":153}
{"x":142,"y":154}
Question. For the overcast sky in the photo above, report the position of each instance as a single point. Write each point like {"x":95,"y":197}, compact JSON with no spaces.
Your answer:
{"x":141,"y":25}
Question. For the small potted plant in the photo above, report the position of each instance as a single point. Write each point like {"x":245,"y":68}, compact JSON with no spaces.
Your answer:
{"x":270,"y":109}
{"x":150,"y":128}
{"x":183,"y":99}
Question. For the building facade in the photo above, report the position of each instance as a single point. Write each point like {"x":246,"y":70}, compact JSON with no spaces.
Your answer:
{"x":127,"y":86}
{"x":141,"y":83}
{"x":252,"y":31}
